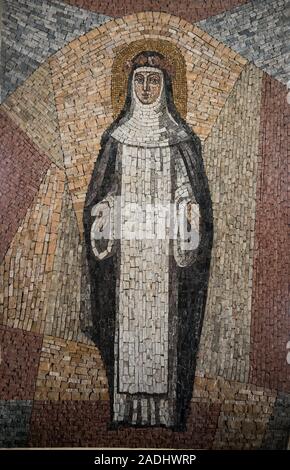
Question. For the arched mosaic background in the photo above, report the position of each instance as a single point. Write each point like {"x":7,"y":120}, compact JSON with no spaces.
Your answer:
{"x":57,"y":60}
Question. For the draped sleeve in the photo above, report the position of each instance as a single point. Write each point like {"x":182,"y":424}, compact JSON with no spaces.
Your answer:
{"x":187,"y":216}
{"x":100,"y":202}
{"x":96,"y":290}
{"x":190,"y":154}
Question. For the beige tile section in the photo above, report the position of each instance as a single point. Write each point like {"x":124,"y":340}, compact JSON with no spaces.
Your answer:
{"x":40,"y":283}
{"x":32,"y":107}
{"x":63,"y":308}
{"x":231,"y":156}
{"x":70,"y":371}
{"x":82,"y":81}
{"x":25,"y":273}
{"x":244,"y":413}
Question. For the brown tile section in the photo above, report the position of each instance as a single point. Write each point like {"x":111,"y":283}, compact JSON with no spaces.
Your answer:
{"x":86,"y":423}
{"x":70,"y":371}
{"x":40,"y":276}
{"x":26,"y":272}
{"x":270,"y":327}
{"x":20,"y":351}
{"x":223,"y":415}
{"x":188,"y":9}
{"x":21,"y":171}
{"x":244,"y":413}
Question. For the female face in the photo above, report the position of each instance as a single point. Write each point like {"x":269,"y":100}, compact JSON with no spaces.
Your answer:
{"x":147,"y":86}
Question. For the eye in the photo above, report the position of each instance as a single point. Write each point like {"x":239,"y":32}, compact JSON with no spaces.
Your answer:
{"x":139,"y":78}
{"x":154,"y":79}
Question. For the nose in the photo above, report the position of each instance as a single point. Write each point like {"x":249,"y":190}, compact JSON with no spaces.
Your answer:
{"x":145,"y":84}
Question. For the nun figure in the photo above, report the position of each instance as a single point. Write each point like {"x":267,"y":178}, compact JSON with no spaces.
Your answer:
{"x":148,"y":233}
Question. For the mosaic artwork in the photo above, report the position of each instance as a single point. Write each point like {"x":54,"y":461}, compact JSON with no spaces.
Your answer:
{"x":153,"y":289}
{"x":143,"y":224}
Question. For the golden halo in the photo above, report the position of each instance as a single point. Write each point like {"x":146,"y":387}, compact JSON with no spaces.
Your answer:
{"x":120,"y":77}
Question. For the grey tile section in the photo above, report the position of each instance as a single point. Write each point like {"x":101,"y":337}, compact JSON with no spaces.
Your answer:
{"x":278,"y":432}
{"x":14,"y":422}
{"x":33,"y":30}
{"x":233,"y":145}
{"x":259,"y":31}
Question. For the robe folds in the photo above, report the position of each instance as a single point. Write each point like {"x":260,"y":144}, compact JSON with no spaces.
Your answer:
{"x":143,"y":303}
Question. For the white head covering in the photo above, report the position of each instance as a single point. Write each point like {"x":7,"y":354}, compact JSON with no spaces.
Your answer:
{"x":149,"y":125}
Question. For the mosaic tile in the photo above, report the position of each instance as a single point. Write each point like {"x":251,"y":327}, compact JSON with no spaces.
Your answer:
{"x":186,"y":9}
{"x":32,"y":108}
{"x":14,"y":422}
{"x":70,"y":371}
{"x":40,"y":287}
{"x":63,"y":424}
{"x":232,"y":146}
{"x":22,"y":168}
{"x":20,"y":352}
{"x":27,"y":267}
{"x":244,"y":411}
{"x":223,"y":414}
{"x":84,"y":322}
{"x":62,"y":317}
{"x":32,"y":31}
{"x":270,"y":328}
{"x":259,"y":31}
{"x":278,"y":430}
